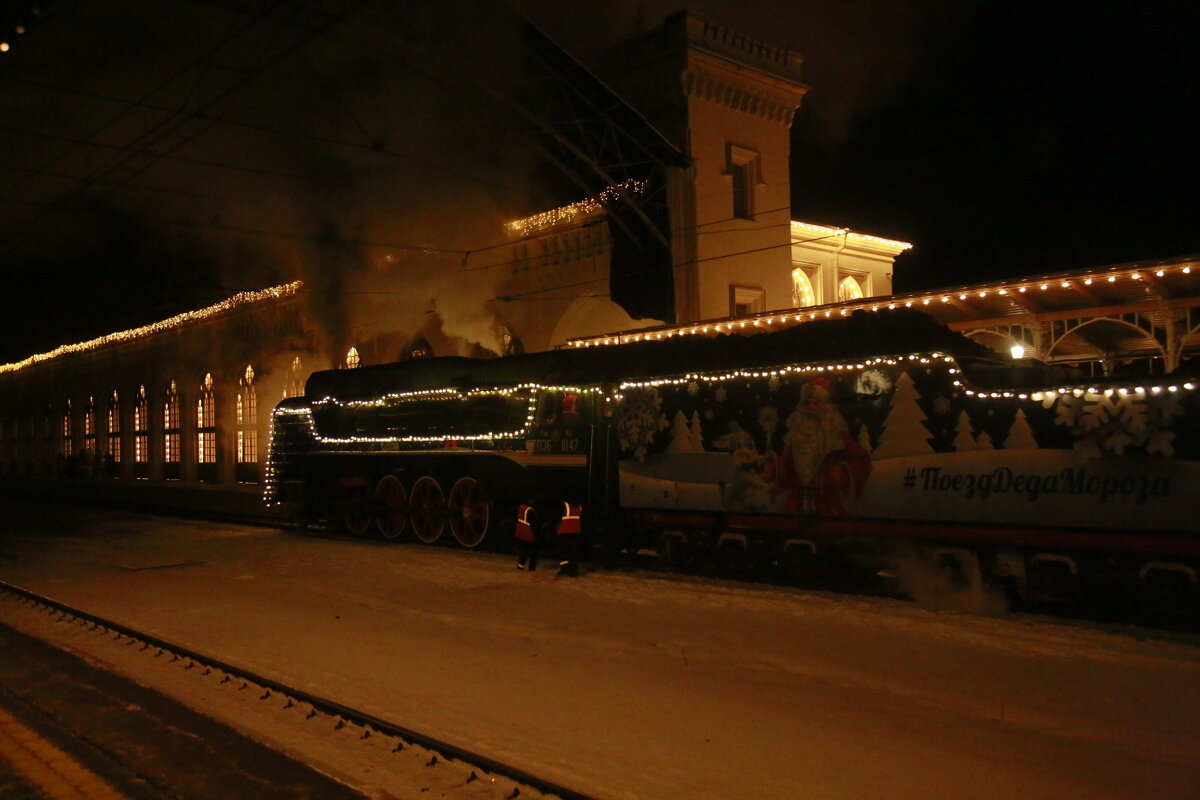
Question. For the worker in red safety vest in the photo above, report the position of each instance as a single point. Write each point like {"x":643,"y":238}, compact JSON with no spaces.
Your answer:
{"x":526,"y":535}
{"x":570,"y":535}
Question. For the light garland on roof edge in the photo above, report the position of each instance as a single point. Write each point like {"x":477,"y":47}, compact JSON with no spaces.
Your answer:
{"x":792,"y":316}
{"x":239,"y":299}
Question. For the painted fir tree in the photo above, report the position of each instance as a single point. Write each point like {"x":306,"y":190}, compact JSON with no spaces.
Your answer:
{"x":965,"y":440}
{"x":904,"y":433}
{"x":1020,"y":435}
{"x":681,"y":435}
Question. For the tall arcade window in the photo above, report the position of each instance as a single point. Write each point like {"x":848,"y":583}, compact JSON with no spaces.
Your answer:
{"x":89,"y":428}
{"x":31,"y":444}
{"x":171,"y":443}
{"x":48,"y":440}
{"x":206,"y":431}
{"x":114,"y":432}
{"x":247,"y":429}
{"x":68,"y":446}
{"x":352,"y":359}
{"x":294,"y":385}
{"x":141,"y":434}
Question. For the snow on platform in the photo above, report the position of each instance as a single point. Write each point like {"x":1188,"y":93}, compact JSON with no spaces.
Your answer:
{"x":633,"y":686}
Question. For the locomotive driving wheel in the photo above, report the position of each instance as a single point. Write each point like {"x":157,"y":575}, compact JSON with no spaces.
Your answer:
{"x":392,"y":502}
{"x":427,"y":509}
{"x":470,"y":511}
{"x":356,"y":511}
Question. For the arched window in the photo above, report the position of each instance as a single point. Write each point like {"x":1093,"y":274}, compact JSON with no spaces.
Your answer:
{"x":802,"y":289}
{"x":206,"y":431}
{"x":67,"y":448}
{"x":352,"y":359}
{"x":48,"y":441}
{"x":114,"y":433}
{"x":417,"y":349}
{"x":141,"y":434}
{"x":247,"y":429}
{"x":294,"y":385}
{"x":89,"y":427}
{"x":31,"y":445}
{"x":171,"y":431}
{"x":849,"y":289}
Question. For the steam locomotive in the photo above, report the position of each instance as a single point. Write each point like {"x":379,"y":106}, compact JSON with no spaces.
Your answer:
{"x":880,"y":438}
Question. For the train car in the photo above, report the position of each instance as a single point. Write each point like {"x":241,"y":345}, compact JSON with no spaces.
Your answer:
{"x":880,"y":439}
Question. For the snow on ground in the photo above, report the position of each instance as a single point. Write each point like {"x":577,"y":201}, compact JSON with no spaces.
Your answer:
{"x":635,"y":686}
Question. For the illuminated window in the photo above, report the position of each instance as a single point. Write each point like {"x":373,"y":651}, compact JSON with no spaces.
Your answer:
{"x":141,"y":434}
{"x":744,"y":300}
{"x":114,"y":429}
{"x":295,"y":379}
{"x":67,"y":447}
{"x":352,"y":359}
{"x":849,"y":289}
{"x":246,"y":464}
{"x":171,"y":443}
{"x":802,"y":289}
{"x":89,"y":427}
{"x":417,"y":349}
{"x":206,"y":430}
{"x":743,"y":166}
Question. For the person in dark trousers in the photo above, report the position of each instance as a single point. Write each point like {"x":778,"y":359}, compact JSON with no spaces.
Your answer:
{"x":526,"y":534}
{"x":570,"y":536}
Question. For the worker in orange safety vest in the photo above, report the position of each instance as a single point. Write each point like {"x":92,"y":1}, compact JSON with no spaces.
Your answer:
{"x":570,"y":535}
{"x":526,"y":534}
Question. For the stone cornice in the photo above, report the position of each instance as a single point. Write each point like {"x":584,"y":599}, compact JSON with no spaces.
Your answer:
{"x":742,"y":87}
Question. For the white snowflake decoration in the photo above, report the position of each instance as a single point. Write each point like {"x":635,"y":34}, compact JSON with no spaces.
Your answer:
{"x":1110,"y":423}
{"x":639,"y":420}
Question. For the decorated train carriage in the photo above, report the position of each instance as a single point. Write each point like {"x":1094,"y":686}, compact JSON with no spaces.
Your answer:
{"x":856,"y":438}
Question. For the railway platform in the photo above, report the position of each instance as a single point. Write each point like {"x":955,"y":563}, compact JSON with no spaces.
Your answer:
{"x":70,"y":730}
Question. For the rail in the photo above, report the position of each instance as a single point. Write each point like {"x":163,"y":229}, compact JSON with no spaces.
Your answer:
{"x":319,"y":704}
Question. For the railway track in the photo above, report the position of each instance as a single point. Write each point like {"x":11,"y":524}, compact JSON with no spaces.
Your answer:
{"x":389,"y":748}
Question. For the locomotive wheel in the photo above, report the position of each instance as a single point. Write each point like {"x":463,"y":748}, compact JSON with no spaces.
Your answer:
{"x":392,"y":502}
{"x":356,"y":511}
{"x":470,"y":511}
{"x":427,"y":509}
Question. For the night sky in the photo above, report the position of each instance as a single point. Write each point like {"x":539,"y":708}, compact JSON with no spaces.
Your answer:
{"x":267,"y":140}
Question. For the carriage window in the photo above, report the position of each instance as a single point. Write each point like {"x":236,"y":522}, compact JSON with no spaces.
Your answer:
{"x":247,"y":419}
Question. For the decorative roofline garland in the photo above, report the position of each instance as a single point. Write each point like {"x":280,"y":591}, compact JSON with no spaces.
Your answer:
{"x":133,"y":334}
{"x":780,"y":319}
{"x":563,"y":215}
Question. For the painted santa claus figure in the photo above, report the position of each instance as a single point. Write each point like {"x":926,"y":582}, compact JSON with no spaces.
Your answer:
{"x":821,"y":465}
